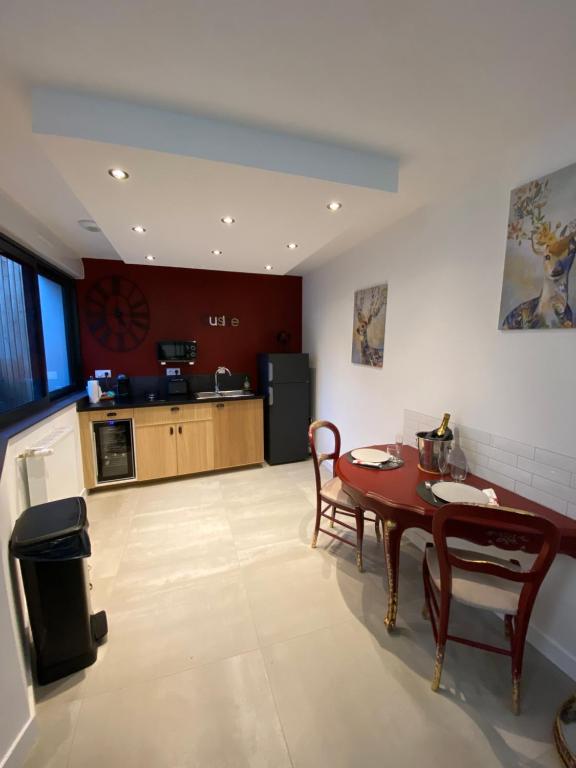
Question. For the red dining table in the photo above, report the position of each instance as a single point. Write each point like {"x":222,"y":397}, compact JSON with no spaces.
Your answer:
{"x":406,"y":509}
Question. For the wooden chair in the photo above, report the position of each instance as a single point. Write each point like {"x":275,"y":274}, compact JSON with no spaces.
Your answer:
{"x":331,"y":496}
{"x":483,"y":581}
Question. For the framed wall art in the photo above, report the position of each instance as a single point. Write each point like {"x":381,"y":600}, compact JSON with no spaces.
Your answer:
{"x":537,"y":291}
{"x":369,"y":325}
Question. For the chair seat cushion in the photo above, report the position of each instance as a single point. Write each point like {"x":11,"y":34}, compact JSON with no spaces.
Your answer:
{"x":333,"y":493}
{"x":480,"y":590}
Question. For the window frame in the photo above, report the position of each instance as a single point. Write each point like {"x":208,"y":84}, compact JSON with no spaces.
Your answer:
{"x":33,"y":266}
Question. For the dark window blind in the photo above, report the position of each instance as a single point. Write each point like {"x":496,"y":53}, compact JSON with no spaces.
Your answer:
{"x":17,"y":385}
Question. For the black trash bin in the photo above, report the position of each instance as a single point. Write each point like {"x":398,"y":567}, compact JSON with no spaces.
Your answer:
{"x":51,"y":541}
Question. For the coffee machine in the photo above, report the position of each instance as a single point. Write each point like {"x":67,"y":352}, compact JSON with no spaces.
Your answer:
{"x":123,"y":389}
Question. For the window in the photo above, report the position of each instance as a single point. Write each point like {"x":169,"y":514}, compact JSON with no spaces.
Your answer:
{"x":38,"y":333}
{"x":52,"y":309}
{"x":16,"y":377}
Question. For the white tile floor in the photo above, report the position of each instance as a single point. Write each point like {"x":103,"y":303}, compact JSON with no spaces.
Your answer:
{"x":233,"y":644}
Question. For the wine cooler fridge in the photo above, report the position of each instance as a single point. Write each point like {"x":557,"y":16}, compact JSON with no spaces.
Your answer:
{"x":114,"y":450}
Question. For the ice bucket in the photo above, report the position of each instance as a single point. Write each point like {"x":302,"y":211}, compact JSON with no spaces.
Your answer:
{"x":429,"y":452}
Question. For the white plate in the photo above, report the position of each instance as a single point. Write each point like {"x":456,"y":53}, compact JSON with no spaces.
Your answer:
{"x":459,"y":492}
{"x":370,"y":454}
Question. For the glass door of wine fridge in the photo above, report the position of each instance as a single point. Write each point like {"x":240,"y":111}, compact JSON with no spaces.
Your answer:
{"x":114,"y":449}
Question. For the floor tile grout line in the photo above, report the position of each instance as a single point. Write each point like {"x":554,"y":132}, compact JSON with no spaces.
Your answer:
{"x":262,"y":644}
{"x":74,"y":733}
{"x":277,"y":710}
{"x":349,"y":620}
{"x":268,"y":680}
{"x":156,"y":678}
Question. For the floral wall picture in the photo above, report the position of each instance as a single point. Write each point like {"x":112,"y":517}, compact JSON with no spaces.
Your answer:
{"x":537,"y":291}
{"x":369,"y":325}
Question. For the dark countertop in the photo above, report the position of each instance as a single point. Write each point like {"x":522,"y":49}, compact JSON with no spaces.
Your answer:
{"x":140,"y":402}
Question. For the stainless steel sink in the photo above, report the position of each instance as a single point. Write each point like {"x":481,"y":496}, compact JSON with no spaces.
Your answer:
{"x":224,"y":394}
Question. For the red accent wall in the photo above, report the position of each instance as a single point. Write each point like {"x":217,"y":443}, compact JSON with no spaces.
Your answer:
{"x":181,"y":299}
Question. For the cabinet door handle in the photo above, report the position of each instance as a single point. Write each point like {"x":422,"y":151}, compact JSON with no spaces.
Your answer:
{"x":174,"y":408}
{"x":112,"y":413}
{"x":179,"y":430}
{"x":171,"y":430}
{"x":219,"y":405}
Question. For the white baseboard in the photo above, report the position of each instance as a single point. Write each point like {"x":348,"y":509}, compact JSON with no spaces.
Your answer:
{"x":548,"y":647}
{"x":21,"y":746}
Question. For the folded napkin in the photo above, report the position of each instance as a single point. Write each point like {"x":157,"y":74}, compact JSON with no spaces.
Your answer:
{"x":492,"y":498}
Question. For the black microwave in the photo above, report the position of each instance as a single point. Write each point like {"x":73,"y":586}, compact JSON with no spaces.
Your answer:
{"x":177,"y":351}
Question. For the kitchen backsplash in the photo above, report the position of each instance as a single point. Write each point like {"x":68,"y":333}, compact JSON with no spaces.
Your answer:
{"x":141,"y":385}
{"x":544,"y":476}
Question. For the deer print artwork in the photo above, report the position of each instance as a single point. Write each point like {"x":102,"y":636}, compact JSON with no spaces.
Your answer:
{"x":540,"y":254}
{"x":369,"y":323}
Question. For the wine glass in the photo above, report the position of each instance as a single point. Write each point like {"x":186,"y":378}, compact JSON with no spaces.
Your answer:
{"x":458,"y":465}
{"x":443,"y":462}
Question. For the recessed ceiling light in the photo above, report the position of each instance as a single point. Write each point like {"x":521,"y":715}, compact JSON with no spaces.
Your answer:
{"x":268,"y":267}
{"x":139,"y":229}
{"x":89,"y":225}
{"x":334,"y":206}
{"x":227,"y":220}
{"x":292,"y":246}
{"x":150,"y":257}
{"x":216,"y":252}
{"x":119,"y":174}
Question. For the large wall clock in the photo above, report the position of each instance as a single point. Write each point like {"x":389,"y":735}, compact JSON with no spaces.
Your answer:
{"x":117,"y":313}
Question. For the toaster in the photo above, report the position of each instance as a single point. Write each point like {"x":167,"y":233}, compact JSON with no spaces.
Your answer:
{"x":177,"y":386}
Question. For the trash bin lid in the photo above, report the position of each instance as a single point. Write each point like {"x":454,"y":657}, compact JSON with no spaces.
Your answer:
{"x":52,"y":531}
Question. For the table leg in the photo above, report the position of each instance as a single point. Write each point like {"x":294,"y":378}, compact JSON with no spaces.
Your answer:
{"x":392,"y":537}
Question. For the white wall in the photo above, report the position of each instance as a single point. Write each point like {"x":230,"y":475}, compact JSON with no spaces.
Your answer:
{"x":444,"y":266}
{"x":18,"y":224}
{"x":16,"y":705}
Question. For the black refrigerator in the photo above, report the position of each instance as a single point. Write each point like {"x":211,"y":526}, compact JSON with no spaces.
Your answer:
{"x":285,"y":384}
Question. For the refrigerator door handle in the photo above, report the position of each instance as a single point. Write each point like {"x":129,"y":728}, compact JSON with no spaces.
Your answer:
{"x":270,"y":371}
{"x":270,"y":396}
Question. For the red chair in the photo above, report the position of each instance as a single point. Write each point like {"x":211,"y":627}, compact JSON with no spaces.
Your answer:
{"x":483,"y":581}
{"x":332,"y":495}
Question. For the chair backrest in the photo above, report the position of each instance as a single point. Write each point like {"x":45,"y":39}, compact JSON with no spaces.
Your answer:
{"x":317,"y":457}
{"x":501,"y":527}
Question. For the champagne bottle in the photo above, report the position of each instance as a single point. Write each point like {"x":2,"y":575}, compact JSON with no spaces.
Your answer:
{"x":443,"y":432}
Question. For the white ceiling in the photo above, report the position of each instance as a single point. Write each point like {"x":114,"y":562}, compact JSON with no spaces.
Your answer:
{"x":449,"y":87}
{"x":180,"y":201}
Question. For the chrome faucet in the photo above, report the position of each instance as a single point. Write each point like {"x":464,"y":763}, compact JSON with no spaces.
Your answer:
{"x":220,"y":369}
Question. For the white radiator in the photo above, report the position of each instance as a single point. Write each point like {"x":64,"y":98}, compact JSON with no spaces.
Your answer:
{"x":51,"y":466}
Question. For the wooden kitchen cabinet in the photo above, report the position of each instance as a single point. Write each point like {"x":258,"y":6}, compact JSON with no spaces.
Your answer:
{"x":182,"y":440}
{"x":167,"y":450}
{"x":238,"y":433}
{"x":156,"y":451}
{"x":171,"y":414}
{"x":195,"y":447}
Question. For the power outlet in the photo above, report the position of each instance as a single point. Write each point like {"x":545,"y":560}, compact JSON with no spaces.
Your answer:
{"x":104,"y":373}
{"x":172,"y":371}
